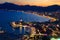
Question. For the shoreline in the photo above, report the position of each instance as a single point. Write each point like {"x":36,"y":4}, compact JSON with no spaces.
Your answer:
{"x":51,"y":18}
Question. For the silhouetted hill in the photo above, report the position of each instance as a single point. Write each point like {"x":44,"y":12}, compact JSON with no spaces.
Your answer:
{"x":53,"y":8}
{"x":11,"y":6}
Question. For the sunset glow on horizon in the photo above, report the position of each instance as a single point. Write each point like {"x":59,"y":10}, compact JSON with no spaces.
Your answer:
{"x":38,"y":2}
{"x":33,"y":2}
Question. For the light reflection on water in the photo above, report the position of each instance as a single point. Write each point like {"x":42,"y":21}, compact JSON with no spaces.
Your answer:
{"x":8,"y":16}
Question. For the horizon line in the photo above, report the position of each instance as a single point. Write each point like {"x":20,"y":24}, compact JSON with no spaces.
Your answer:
{"x":30,"y":5}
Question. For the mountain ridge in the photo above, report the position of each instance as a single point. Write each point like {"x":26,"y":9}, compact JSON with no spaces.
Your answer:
{"x":12,"y":6}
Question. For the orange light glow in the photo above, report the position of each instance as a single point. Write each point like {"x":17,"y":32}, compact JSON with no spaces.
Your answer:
{"x":39,"y":2}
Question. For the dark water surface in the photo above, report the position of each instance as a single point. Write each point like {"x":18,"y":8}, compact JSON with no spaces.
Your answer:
{"x":8,"y":16}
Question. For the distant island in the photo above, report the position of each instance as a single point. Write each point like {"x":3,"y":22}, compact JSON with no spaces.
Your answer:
{"x":11,"y":6}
